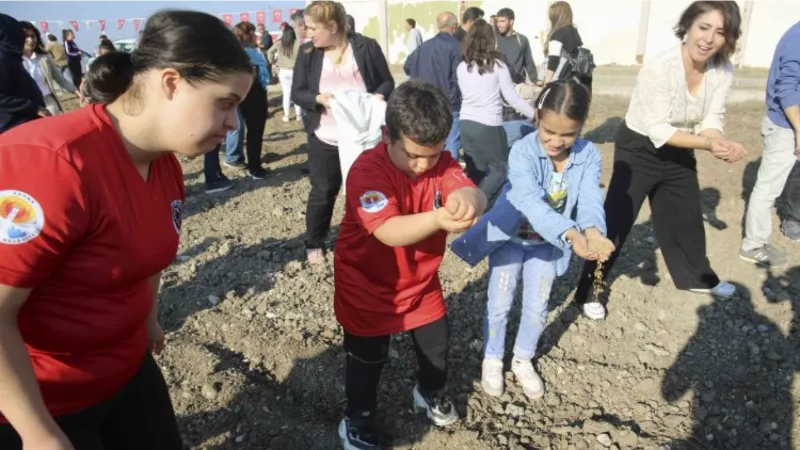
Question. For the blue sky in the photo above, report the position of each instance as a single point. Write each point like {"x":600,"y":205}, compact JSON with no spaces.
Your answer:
{"x":111,"y":11}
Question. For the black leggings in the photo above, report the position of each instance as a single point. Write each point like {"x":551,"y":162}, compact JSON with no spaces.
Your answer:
{"x":367,"y":355}
{"x":75,"y":69}
{"x":139,"y":417}
{"x":254,"y":111}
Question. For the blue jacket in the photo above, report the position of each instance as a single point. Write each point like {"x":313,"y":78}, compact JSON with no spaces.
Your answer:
{"x":436,"y":62}
{"x":524,"y":197}
{"x":20,"y":97}
{"x":260,"y":62}
{"x":783,"y":82}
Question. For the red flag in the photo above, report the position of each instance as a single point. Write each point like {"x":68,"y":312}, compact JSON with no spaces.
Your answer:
{"x":74,"y":24}
{"x":120,"y":23}
{"x":244,"y":17}
{"x":136,"y":23}
{"x":43,"y":25}
{"x":261,"y":17}
{"x":228,"y":19}
{"x":102,"y":24}
{"x":277,"y":17}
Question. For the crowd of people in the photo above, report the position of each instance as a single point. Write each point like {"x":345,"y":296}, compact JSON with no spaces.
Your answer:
{"x":91,"y":200}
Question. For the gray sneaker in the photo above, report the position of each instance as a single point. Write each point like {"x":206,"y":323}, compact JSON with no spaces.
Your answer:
{"x":791,"y":229}
{"x":766,"y":255}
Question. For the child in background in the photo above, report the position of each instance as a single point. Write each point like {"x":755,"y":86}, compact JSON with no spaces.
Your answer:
{"x":531,"y":231}
{"x":402,"y":199}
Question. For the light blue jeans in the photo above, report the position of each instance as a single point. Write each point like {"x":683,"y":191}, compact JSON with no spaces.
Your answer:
{"x":234,"y":142}
{"x":535,"y":263}
{"x":453,"y":142}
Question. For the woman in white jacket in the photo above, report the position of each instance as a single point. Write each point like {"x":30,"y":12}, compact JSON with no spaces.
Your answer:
{"x":43,"y":69}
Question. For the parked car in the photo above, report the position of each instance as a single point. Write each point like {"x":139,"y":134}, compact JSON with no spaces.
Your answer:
{"x":125,"y":45}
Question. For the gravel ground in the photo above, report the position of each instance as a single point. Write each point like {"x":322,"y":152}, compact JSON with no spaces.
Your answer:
{"x":254,"y":358}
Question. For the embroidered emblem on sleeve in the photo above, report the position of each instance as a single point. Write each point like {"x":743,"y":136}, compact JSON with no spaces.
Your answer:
{"x":177,"y":215}
{"x":21,"y":217}
{"x":373,"y":201}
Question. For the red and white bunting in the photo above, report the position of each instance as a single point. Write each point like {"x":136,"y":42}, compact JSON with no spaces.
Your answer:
{"x":136,"y":24}
{"x":277,"y":16}
{"x":261,"y":17}
{"x":44,"y":26}
{"x":244,"y":17}
{"x":228,"y":19}
{"x":102,"y":24}
{"x":120,"y":24}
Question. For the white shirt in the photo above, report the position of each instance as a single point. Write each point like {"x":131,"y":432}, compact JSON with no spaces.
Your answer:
{"x":661,"y":103}
{"x":34,"y":68}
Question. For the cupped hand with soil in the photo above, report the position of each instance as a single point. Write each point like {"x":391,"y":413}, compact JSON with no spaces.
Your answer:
{"x":599,"y":244}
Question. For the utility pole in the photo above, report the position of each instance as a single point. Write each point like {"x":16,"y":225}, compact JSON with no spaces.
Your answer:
{"x":644,"y":20}
{"x":746,"y":19}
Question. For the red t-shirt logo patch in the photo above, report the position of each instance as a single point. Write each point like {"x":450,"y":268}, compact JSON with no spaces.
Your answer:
{"x":373,"y":201}
{"x":21,"y":217}
{"x":177,"y":215}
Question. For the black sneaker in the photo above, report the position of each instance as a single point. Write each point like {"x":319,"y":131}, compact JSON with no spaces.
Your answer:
{"x":258,"y":173}
{"x":238,"y":165}
{"x":359,"y":433}
{"x":218,"y":186}
{"x":439,"y":408}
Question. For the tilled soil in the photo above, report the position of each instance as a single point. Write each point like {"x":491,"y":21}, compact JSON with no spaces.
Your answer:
{"x":254,"y":357}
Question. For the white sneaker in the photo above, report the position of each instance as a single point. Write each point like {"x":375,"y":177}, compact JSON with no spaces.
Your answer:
{"x":594,"y":310}
{"x":285,"y":118}
{"x":299,"y":118}
{"x":527,"y":377}
{"x":492,"y":377}
{"x":723,"y":290}
{"x":440,"y":409}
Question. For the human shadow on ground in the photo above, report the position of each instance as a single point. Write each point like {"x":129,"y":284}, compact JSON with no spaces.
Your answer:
{"x":605,"y":132}
{"x":739,"y":366}
{"x":234,"y":270}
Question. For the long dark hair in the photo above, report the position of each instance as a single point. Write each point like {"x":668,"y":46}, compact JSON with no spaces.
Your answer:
{"x":480,"y":47}
{"x":197,"y":45}
{"x":288,"y":39}
{"x":31,"y":30}
{"x":732,"y":20}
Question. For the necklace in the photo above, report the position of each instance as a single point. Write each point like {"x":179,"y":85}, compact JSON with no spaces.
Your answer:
{"x":340,"y":58}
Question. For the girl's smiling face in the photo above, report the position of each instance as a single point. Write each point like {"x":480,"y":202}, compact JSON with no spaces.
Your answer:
{"x":557,"y":133}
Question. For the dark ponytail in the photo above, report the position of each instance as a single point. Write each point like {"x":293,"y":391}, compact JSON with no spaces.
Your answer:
{"x":197,"y":45}
{"x":568,"y":97}
{"x":109,"y":76}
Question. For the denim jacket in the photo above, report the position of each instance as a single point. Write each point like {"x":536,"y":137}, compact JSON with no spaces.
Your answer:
{"x":524,"y":197}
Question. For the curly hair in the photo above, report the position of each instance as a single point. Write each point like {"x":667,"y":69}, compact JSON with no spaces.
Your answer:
{"x":480,"y":47}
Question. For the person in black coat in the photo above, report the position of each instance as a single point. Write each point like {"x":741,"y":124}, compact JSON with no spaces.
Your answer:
{"x":332,"y":60}
{"x":20,"y":98}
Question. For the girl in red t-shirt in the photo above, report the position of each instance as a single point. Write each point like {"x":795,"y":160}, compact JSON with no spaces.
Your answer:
{"x":90,"y":214}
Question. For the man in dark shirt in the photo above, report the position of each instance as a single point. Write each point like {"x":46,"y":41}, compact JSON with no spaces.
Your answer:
{"x":471,"y":14}
{"x":515,"y":48}
{"x":436,"y":62}
{"x":20,"y":98}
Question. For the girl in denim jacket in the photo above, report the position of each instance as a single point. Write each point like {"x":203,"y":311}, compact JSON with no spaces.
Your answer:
{"x":551,"y":207}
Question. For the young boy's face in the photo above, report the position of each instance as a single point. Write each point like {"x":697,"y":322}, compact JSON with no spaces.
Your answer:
{"x":411,"y":158}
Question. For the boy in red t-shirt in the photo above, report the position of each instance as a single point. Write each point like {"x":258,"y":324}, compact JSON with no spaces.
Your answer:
{"x":403,"y":197}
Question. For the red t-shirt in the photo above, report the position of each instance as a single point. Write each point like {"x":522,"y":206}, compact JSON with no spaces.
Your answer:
{"x":382,"y":290}
{"x":80,"y":226}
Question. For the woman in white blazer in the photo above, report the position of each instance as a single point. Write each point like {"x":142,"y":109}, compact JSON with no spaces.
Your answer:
{"x":43,"y":69}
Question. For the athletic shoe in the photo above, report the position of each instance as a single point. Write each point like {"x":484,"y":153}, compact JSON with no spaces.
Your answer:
{"x":258,"y":173}
{"x":767,"y":255}
{"x":791,"y":229}
{"x":359,"y":434}
{"x":492,"y":377}
{"x":439,"y":409}
{"x":594,"y":310}
{"x":218,"y":186}
{"x":285,"y":118}
{"x":722,"y":290}
{"x":526,"y":375}
{"x":238,"y":165}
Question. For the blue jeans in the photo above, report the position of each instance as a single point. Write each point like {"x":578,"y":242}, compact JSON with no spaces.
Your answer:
{"x":234,"y":142}
{"x":211,"y":168}
{"x":453,"y":143}
{"x":535,"y":263}
{"x":517,"y":129}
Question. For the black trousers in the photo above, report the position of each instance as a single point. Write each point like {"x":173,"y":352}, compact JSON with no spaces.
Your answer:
{"x":75,"y":69}
{"x":139,"y":417}
{"x":485,"y":155}
{"x":326,"y":180}
{"x":791,"y":195}
{"x":367,"y":355}
{"x":667,"y":176}
{"x":254,"y":111}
